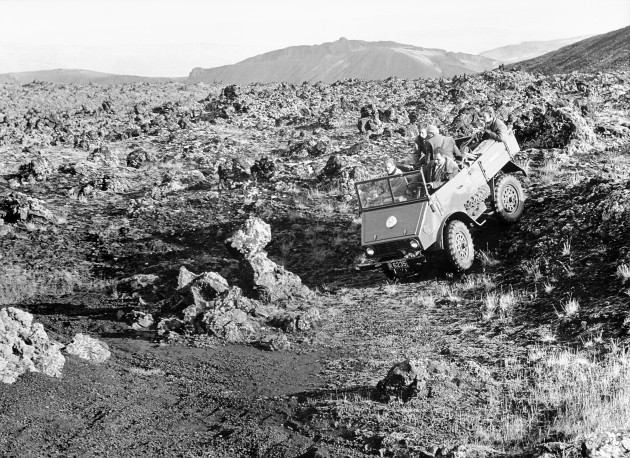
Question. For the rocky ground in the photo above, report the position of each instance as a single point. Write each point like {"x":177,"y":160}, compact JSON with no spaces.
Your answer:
{"x":188,"y":253}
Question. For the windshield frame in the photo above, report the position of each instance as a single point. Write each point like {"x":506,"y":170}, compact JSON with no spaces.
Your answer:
{"x":393,"y":201}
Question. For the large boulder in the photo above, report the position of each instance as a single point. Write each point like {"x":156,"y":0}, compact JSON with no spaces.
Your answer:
{"x":251,"y":239}
{"x":88,"y":348}
{"x":138,"y":157}
{"x":340,"y":173}
{"x":25,"y":347}
{"x":218,"y":308}
{"x":39,"y":169}
{"x":260,"y":276}
{"x":550,"y":126}
{"x":403,"y":381}
{"x":270,"y":282}
{"x":264,"y":169}
{"x":103,"y":156}
{"x":20,"y":207}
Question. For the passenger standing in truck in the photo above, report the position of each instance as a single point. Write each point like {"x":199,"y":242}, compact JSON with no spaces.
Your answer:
{"x":437,"y":140}
{"x":494,"y":128}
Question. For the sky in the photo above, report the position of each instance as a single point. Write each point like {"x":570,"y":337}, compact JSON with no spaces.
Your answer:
{"x":170,"y":37}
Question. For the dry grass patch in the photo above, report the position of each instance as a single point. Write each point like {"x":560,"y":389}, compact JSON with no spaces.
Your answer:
{"x":487,"y":259}
{"x":569,"y":309}
{"x":531,"y":269}
{"x":501,"y":304}
{"x":426,"y":301}
{"x":623,"y":273}
{"x":560,"y":395}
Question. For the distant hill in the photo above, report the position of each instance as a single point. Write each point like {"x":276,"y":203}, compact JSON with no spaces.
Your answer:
{"x":344,"y":59}
{"x":65,"y":76}
{"x":527,"y":50}
{"x":610,"y":51}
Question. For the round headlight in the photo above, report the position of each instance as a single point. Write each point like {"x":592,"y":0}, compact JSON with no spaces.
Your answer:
{"x":369,"y":251}
{"x":414,"y":244}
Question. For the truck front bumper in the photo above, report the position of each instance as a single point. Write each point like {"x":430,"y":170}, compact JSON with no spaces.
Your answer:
{"x":392,"y":264}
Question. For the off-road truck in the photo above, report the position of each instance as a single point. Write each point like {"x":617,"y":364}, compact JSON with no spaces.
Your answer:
{"x":404,"y":223}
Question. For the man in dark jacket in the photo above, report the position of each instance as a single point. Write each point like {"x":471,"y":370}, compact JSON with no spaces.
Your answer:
{"x":495,"y":129}
{"x":436,"y":140}
{"x":440,"y":169}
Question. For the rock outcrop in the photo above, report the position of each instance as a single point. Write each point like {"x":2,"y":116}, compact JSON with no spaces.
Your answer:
{"x":260,"y":276}
{"x":25,"y":347}
{"x":20,"y":207}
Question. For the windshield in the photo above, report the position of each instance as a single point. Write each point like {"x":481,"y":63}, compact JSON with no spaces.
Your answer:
{"x":391,"y":189}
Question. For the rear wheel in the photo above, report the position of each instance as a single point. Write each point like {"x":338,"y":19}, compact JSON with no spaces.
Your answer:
{"x":509,"y":201}
{"x":459,"y":246}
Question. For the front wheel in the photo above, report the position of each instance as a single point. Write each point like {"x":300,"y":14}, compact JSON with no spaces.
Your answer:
{"x":459,"y":246}
{"x":509,"y":201}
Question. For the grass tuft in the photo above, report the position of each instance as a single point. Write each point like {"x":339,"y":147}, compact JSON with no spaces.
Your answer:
{"x":623,"y":272}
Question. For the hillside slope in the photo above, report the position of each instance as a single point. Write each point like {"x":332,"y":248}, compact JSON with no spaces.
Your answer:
{"x":67,"y":76}
{"x":527,"y":50}
{"x":610,"y":51}
{"x":344,"y":59}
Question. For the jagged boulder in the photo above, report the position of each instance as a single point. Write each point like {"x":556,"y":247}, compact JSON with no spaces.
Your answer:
{"x":218,"y":308}
{"x":93,"y":182}
{"x":270,"y":282}
{"x":313,"y":146}
{"x":403,"y":381}
{"x":370,"y":122}
{"x":251,"y":239}
{"x":614,"y":211}
{"x":88,"y":348}
{"x":137,"y":320}
{"x":138,"y":157}
{"x":24,"y":347}
{"x":264,"y":169}
{"x":20,"y":207}
{"x":234,"y":175}
{"x":103,"y":156}
{"x":338,"y":172}
{"x":260,"y":276}
{"x":39,"y":169}
{"x":550,"y":126}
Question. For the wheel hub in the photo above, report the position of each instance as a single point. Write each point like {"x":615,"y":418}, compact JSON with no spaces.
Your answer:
{"x":461,"y":245}
{"x":509,"y":199}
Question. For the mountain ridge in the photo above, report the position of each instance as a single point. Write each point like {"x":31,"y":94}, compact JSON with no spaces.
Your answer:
{"x":528,"y":49}
{"x":608,"y":51}
{"x":78,"y":76}
{"x":344,"y":59}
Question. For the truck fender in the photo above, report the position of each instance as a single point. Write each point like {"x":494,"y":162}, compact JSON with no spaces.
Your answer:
{"x":460,"y":215}
{"x":512,"y":167}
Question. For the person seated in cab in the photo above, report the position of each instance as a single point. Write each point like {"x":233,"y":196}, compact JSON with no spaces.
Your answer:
{"x":439,"y":170}
{"x":398,"y":183}
{"x":494,"y":128}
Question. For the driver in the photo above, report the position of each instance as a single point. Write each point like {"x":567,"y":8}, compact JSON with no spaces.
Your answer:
{"x":398,"y":183}
{"x":440,"y":169}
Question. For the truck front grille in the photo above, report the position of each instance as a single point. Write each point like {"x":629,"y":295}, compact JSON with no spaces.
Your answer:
{"x":391,"y":249}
